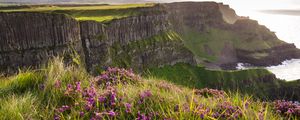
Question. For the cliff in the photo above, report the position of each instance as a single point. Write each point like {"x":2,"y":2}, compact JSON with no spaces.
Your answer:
{"x":219,"y":38}
{"x":138,"y":42}
{"x":140,"y":36}
{"x":30,"y":39}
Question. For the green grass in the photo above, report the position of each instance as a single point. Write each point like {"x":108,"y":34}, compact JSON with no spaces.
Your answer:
{"x":36,"y":103}
{"x":246,"y":81}
{"x":100,"y":13}
{"x":19,"y":107}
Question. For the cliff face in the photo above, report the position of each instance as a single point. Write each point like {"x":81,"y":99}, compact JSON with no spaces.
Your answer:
{"x":219,"y":38}
{"x":30,"y":39}
{"x":159,"y":35}
{"x":138,"y":42}
{"x":194,"y":15}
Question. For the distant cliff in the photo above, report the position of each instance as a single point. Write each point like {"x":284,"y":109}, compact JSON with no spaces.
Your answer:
{"x":220,"y":39}
{"x":205,"y":33}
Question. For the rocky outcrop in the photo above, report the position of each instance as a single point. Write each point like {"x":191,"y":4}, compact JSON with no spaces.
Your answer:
{"x":30,"y":39}
{"x":138,"y":42}
{"x":228,"y":14}
{"x":268,"y":57}
{"x":194,"y":15}
{"x":250,"y":30}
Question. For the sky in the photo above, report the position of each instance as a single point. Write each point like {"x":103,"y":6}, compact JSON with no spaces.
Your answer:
{"x":243,"y":7}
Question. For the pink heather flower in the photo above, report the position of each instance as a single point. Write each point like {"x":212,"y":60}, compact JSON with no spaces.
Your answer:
{"x":104,"y":76}
{"x":81,"y":114}
{"x":142,"y":117}
{"x":90,"y":100}
{"x":112,"y":113}
{"x":90,"y":92}
{"x":247,"y":105}
{"x":57,"y":84}
{"x":202,"y":116}
{"x":98,"y":115}
{"x":69,"y":89}
{"x":128,"y":107}
{"x":287,"y":107}
{"x":101,"y":99}
{"x":63,"y":108}
{"x":113,"y":98}
{"x":78,"y":86}
{"x":88,"y":107}
{"x":145,"y":94}
{"x":56,"y":117}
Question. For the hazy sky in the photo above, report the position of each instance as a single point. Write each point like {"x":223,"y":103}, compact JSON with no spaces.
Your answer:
{"x":244,"y":6}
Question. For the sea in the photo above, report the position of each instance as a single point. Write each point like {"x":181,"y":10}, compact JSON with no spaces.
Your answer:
{"x":287,"y":28}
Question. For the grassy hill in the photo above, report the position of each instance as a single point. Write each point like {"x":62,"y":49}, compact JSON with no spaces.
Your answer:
{"x":68,"y":92}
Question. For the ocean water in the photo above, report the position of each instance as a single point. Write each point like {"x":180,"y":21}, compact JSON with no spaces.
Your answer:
{"x":287,"y":28}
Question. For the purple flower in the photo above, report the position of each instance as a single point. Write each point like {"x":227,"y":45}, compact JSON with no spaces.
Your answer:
{"x":261,"y":116}
{"x":111,"y":113}
{"x":104,"y":76}
{"x":98,"y":115}
{"x":113,"y":98}
{"x":88,"y":107}
{"x":90,"y":101}
{"x":115,"y":76}
{"x":56,"y":117}
{"x":128,"y":107}
{"x":247,"y":105}
{"x":69,"y":87}
{"x":42,"y":86}
{"x":202,"y":116}
{"x":287,"y":108}
{"x":145,"y":94}
{"x":78,"y":86}
{"x":142,"y":117}
{"x":57,"y":84}
{"x":64,"y":108}
{"x":101,"y":99}
{"x":81,"y":114}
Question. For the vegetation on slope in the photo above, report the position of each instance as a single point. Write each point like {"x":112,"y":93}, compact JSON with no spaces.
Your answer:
{"x":257,"y":82}
{"x":122,"y":54}
{"x":100,"y":13}
{"x":212,"y":43}
{"x":68,"y":92}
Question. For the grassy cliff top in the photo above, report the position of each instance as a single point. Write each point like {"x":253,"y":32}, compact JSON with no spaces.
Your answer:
{"x":98,"y":13}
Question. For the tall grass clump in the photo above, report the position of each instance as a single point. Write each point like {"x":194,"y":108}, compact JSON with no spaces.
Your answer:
{"x":19,"y":107}
{"x":20,"y":83}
